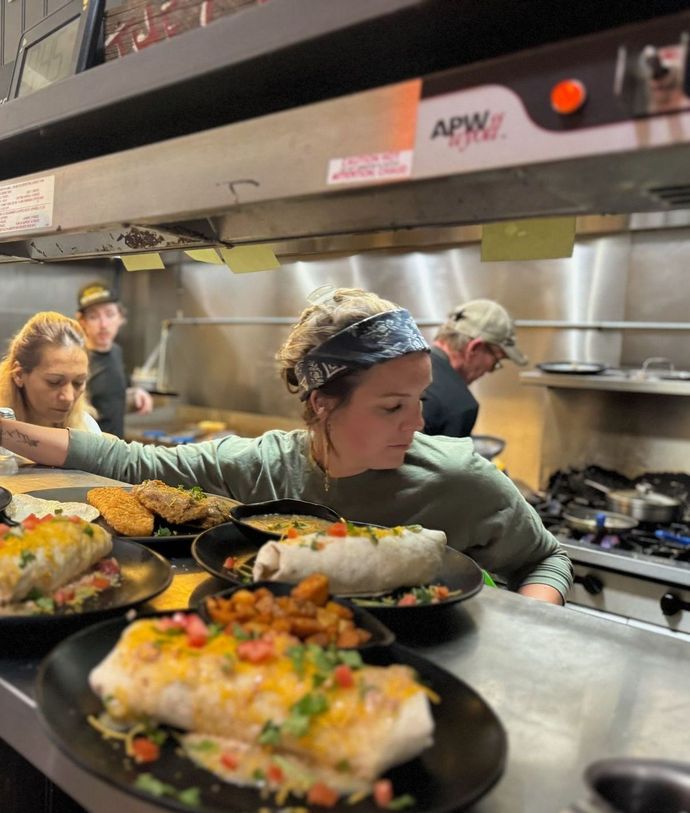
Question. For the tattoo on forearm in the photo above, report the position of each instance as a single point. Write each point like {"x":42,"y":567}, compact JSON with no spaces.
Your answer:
{"x":20,"y":437}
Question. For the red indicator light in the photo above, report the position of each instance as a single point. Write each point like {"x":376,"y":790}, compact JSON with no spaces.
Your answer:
{"x":568,"y":96}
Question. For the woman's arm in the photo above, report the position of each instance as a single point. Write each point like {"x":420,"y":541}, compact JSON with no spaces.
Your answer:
{"x":542,"y":592}
{"x":42,"y":444}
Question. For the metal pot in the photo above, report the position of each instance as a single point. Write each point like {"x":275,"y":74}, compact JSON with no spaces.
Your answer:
{"x":640,"y":502}
{"x":638,"y":786}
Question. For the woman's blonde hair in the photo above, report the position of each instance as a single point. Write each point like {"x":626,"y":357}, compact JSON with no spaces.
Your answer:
{"x":45,"y":329}
{"x":317,"y":323}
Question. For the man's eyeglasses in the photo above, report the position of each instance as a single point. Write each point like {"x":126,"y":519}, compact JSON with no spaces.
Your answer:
{"x":497,"y":365}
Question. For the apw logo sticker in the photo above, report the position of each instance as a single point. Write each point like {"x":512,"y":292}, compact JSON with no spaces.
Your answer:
{"x":470,"y":128}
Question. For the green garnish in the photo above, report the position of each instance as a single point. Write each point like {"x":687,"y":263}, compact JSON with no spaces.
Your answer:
{"x":205,"y":746}
{"x":148,"y":782}
{"x":401,"y":802}
{"x":25,"y":557}
{"x":88,"y":530}
{"x":270,"y":734}
{"x":163,"y":531}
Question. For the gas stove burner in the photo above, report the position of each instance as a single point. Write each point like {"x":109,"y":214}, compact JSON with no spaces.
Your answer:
{"x":568,"y":494}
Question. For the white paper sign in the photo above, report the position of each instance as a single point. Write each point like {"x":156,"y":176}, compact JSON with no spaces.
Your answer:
{"x":372,"y":167}
{"x":27,"y":205}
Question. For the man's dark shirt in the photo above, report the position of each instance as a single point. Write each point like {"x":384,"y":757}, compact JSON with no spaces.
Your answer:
{"x":107,"y":389}
{"x":450,"y":408}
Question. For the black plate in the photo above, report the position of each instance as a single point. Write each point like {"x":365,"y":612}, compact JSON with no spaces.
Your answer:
{"x":572,"y":367}
{"x":380,"y":634}
{"x":466,"y":759}
{"x":288,"y":506}
{"x":213,"y":546}
{"x":145,"y":574}
{"x":181,"y":533}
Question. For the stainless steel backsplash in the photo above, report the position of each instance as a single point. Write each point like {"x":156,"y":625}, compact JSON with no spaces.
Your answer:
{"x":629,"y":276}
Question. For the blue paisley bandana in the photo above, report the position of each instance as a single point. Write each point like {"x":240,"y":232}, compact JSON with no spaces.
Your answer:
{"x":377,"y":338}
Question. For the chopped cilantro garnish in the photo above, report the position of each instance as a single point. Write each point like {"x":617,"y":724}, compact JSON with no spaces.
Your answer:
{"x":401,"y":802}
{"x":46,"y":604}
{"x":205,"y":746}
{"x":148,"y":782}
{"x":88,"y":530}
{"x":343,"y":766}
{"x":240,"y":633}
{"x":270,"y":734}
{"x":163,"y":531}
{"x":297,"y":655}
{"x":190,"y":797}
{"x":259,"y":775}
{"x":25,"y":557}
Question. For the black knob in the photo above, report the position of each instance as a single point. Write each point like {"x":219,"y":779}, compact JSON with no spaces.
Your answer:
{"x":592,"y":584}
{"x":672,"y":604}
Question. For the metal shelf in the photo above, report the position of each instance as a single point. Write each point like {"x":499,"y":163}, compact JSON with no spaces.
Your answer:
{"x":613,"y":381}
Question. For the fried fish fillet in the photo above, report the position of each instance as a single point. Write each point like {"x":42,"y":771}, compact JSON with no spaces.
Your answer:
{"x":178,"y":506}
{"x":122,"y":511}
{"x":183,"y":506}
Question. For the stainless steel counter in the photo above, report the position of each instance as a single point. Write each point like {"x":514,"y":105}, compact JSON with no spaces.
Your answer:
{"x":570,"y":688}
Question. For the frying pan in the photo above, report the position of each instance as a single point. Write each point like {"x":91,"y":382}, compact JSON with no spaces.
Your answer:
{"x":587,"y":520}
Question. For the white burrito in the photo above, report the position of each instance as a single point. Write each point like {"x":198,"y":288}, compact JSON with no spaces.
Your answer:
{"x":368,"y":560}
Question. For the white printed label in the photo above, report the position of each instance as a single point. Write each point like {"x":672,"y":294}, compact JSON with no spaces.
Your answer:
{"x":27,"y":205}
{"x":371,"y":166}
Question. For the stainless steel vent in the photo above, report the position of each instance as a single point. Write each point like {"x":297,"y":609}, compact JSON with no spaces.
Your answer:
{"x":672,"y":195}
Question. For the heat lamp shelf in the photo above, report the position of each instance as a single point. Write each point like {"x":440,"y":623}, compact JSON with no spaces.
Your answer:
{"x":606,"y":381}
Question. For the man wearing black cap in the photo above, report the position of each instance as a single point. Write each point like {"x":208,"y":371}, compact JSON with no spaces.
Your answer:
{"x":101,"y":316}
{"x":473,"y":341}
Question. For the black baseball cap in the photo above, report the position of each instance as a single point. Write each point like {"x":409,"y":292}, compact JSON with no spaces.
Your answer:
{"x":96,"y":293}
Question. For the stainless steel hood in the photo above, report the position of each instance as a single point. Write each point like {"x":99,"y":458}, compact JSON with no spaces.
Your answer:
{"x":379,"y":167}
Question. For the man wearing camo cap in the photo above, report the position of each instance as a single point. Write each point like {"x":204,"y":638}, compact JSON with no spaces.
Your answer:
{"x":475,"y":339}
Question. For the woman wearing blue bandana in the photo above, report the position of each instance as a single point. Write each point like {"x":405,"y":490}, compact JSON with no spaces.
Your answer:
{"x":360,"y":366}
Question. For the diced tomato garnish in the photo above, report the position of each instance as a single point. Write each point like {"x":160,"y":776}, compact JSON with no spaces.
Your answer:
{"x":321,"y":794}
{"x":109,"y":566}
{"x":177,"y":621}
{"x":275,"y":773}
{"x":145,"y":750}
{"x":292,"y":533}
{"x":100,"y":582}
{"x":229,"y":761}
{"x":407,"y":601}
{"x":342,"y":674}
{"x":3,"y":528}
{"x":64,"y":595}
{"x":31,"y":522}
{"x":229,"y":562}
{"x":77,"y":520}
{"x":383,"y":792}
{"x":338,"y":529}
{"x":442,"y":592}
{"x":256,"y":651}
{"x":197,"y":631}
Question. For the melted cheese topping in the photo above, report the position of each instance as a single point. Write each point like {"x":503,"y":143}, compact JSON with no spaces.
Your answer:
{"x":213,"y":689}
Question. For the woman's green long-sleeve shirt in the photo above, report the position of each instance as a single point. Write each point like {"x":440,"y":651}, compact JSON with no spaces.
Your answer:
{"x":442,"y":484}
